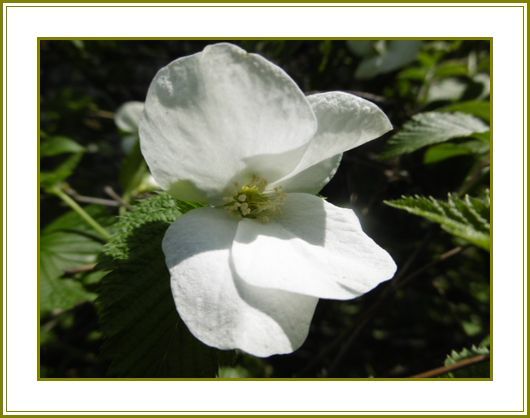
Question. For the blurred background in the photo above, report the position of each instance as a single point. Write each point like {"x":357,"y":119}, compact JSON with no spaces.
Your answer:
{"x":439,"y":301}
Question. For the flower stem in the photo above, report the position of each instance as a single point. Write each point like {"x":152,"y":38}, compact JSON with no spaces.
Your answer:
{"x":81,"y":212}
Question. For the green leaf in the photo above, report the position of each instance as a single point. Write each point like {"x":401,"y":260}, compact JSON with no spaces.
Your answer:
{"x":395,"y":55}
{"x":413,"y":73}
{"x":144,"y":336}
{"x":447,"y":150}
{"x":66,"y":244}
{"x":466,"y":218}
{"x":431,"y":128}
{"x":451,"y":69}
{"x":481,"y":369}
{"x":478,"y":108}
{"x":64,"y":170}
{"x":55,"y":146}
{"x":58,"y":145}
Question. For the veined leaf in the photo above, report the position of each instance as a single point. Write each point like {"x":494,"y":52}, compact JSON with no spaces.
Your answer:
{"x":466,"y":218}
{"x":66,"y":244}
{"x":431,"y":128}
{"x":144,"y":336}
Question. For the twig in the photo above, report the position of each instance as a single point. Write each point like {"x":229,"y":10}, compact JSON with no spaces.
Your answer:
{"x":105,"y":114}
{"x":117,"y":198}
{"x":459,"y":365}
{"x":90,"y":199}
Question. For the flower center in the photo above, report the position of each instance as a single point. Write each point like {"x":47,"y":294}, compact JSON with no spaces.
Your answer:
{"x":252,"y":201}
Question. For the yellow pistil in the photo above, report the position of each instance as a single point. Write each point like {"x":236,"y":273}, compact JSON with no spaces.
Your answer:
{"x":254,"y":202}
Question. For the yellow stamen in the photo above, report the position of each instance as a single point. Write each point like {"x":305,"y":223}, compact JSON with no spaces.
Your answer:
{"x":255,"y":202}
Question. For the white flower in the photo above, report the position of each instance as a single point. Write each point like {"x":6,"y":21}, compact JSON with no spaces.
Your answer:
{"x":232,"y":130}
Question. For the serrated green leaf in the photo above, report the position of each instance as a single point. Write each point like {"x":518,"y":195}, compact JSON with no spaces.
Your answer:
{"x":144,"y":336}
{"x":432,"y":128}
{"x":466,"y":218}
{"x":478,"y":108}
{"x":66,"y":244}
{"x":481,"y":369}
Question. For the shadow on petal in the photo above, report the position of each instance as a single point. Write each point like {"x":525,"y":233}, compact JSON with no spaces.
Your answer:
{"x":273,"y":167}
{"x":293,"y":312}
{"x":303,"y":217}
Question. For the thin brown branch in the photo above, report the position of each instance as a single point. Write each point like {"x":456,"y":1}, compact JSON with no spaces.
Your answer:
{"x":459,"y":365}
{"x":117,"y":198}
{"x":104,"y":114}
{"x":91,"y":199}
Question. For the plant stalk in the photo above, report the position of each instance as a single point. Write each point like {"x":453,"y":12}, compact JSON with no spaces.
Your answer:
{"x":82,"y":213}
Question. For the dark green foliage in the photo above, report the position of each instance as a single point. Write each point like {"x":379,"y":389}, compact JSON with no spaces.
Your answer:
{"x":431,"y":128}
{"x":466,"y":218}
{"x":65,"y":245}
{"x":143,"y":335}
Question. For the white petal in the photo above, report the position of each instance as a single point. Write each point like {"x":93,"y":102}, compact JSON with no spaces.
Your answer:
{"x":345,"y":121}
{"x":218,"y":307}
{"x":313,"y":248}
{"x":128,"y":116}
{"x":311,"y":180}
{"x":220,"y":116}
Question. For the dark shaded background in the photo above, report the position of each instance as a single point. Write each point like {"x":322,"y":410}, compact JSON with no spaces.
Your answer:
{"x":403,"y":327}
